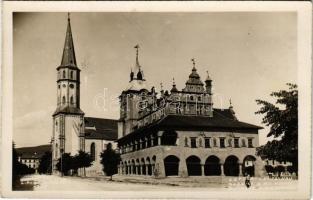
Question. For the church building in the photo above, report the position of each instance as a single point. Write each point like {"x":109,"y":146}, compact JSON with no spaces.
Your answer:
{"x":72,"y":131}
{"x":180,"y":133}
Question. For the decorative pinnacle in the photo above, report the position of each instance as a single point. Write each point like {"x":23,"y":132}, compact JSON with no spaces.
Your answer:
{"x":161,"y":85}
{"x":193,"y":62}
{"x":137,"y":50}
{"x":230,"y":104}
{"x":174,"y":81}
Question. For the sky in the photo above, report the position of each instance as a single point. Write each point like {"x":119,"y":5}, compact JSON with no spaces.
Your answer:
{"x":247,"y":54}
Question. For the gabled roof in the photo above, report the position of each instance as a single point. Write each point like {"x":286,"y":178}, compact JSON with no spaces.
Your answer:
{"x":222,"y":120}
{"x":33,"y":152}
{"x":99,"y":128}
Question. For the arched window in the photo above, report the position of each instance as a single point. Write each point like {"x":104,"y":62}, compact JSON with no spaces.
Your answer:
{"x":64,"y":74}
{"x":191,"y":98}
{"x":63,"y":99}
{"x":71,"y":74}
{"x":93,"y":151}
{"x":72,"y":100}
{"x":199,"y":98}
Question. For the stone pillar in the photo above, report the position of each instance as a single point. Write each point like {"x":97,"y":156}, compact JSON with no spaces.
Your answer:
{"x":202,"y":170}
{"x":136,"y":168}
{"x":147,"y":169}
{"x":159,"y":166}
{"x":159,"y":137}
{"x":152,"y":168}
{"x":146,"y":140}
{"x":240,"y":169}
{"x":182,"y":169}
{"x":141,"y":169}
{"x":140,"y":143}
{"x":222,"y":169}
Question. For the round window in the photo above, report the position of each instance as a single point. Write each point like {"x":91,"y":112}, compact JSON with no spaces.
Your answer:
{"x":72,"y":86}
{"x":64,"y":85}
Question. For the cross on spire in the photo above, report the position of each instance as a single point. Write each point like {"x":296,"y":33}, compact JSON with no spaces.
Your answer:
{"x":193,"y":62}
{"x":230,"y":104}
{"x":137,"y":52}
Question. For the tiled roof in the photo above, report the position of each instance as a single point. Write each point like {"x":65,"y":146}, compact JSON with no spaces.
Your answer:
{"x":33,"y":152}
{"x":98,"y":128}
{"x":222,"y":120}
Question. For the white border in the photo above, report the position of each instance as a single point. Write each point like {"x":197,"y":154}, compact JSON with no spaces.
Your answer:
{"x":303,"y":10}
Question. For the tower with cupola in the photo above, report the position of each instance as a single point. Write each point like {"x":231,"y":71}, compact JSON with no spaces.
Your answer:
{"x":68,"y":118}
{"x":133,"y":99}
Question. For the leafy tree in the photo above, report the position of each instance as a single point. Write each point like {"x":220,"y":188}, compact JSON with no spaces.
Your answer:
{"x":67,"y":162}
{"x":283,"y":121}
{"x":269,"y":169}
{"x":81,"y":160}
{"x":45,"y":163}
{"x":110,"y":160}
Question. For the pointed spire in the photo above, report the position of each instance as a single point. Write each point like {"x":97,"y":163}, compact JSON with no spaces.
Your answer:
{"x":68,"y":58}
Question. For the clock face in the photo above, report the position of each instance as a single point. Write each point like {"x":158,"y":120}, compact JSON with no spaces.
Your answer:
{"x":64,"y":85}
{"x":71,"y":86}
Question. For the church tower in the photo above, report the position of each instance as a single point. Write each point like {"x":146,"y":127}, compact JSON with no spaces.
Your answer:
{"x":133,"y":99}
{"x":68,"y":118}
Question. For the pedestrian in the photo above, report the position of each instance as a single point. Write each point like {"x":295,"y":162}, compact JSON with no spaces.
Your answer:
{"x":247,"y":181}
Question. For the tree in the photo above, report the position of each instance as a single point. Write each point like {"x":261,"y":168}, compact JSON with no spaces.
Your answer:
{"x":65,"y":163}
{"x":282,"y":119}
{"x":81,"y":160}
{"x":45,"y":163}
{"x":110,"y":160}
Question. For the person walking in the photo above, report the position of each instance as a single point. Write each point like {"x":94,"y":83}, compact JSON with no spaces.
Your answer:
{"x":247,"y":181}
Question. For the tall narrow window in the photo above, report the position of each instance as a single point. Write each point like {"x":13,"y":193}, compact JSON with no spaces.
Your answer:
{"x":64,"y":74}
{"x":72,"y":100}
{"x":207,"y":143}
{"x":193,"y":142}
{"x":93,"y":151}
{"x":243,"y":142}
{"x":236,"y":142}
{"x":71,"y":75}
{"x":63,"y":100}
{"x":222,"y":142}
{"x":250,"y":143}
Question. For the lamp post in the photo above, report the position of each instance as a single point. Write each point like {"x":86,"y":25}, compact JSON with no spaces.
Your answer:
{"x":61,"y":150}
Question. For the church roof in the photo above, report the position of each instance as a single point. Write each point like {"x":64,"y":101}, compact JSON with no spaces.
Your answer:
{"x":99,"y":128}
{"x":68,"y":57}
{"x":136,"y":85}
{"x":68,"y":110}
{"x":222,"y":120}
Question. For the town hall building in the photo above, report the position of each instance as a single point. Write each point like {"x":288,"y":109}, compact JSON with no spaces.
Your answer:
{"x":180,"y":133}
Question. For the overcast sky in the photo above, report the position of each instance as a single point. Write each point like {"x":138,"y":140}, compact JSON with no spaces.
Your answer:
{"x":248,"y":55}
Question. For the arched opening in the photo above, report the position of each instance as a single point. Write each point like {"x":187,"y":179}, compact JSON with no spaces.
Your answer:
{"x":63,"y":100}
{"x":143,"y":166}
{"x":125,"y":168}
{"x":72,"y":100}
{"x":171,"y":165}
{"x":149,"y":168}
{"x":64,"y":74}
{"x":248,"y":165}
{"x":193,"y":166}
{"x":93,"y":151}
{"x":212,"y":166}
{"x":71,"y":75}
{"x":169,"y":138}
{"x":231,"y":166}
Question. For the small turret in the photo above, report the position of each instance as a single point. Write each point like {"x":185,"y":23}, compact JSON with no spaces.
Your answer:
{"x":208,"y":84}
{"x":174,"y":89}
{"x":131,"y":75}
{"x":231,"y":109}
